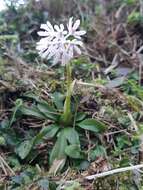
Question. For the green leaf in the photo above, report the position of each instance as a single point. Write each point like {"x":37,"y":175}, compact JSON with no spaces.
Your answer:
{"x":83,"y":165}
{"x":4,"y":124}
{"x":11,"y":138}
{"x":32,"y":111}
{"x":58,"y":99}
{"x":71,"y":135}
{"x":135,"y":17}
{"x":24,"y":148}
{"x":134,"y":102}
{"x":2,"y":141}
{"x":43,"y":184}
{"x":47,"y":132}
{"x":58,"y":151}
{"x":92,"y":125}
{"x":80,"y":116}
{"x":32,"y":96}
{"x":123,"y":141}
{"x":18,"y":104}
{"x":48,"y":111}
{"x":74,"y":151}
{"x":97,"y":152}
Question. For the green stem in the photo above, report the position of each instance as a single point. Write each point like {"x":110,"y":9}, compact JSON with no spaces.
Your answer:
{"x":67,"y":115}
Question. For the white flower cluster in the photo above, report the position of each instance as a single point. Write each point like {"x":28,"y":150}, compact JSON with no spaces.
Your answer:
{"x":59,"y":44}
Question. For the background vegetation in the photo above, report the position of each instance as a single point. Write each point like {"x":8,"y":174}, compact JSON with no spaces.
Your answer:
{"x":108,"y":89}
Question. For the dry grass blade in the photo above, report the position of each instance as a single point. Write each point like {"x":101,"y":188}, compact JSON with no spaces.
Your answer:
{"x":115,"y":171}
{"x":6,"y":166}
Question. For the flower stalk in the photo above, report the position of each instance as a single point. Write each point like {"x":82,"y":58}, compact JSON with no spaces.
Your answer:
{"x":67,"y":115}
{"x":61,"y":45}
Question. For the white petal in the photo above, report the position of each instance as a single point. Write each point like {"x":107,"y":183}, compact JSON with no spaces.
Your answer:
{"x":80,"y":33}
{"x":44,"y":55}
{"x":45,"y":27}
{"x":40,"y":48}
{"x":45,"y":40}
{"x":76,"y":25}
{"x":77,"y":50}
{"x":50,"y":26}
{"x":50,"y":55}
{"x":57,"y":28}
{"x":57,"y":58}
{"x":70,"y":52}
{"x":77,"y":42}
{"x":65,"y":58}
{"x":70,"y":24}
{"x":61,"y":27}
{"x":43,"y":33}
{"x":65,"y":32}
{"x":52,"y":51}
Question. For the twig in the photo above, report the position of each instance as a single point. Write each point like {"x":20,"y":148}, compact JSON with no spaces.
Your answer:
{"x":4,"y":163}
{"x":115,"y":132}
{"x":119,"y":11}
{"x":115,"y":171}
{"x":113,"y":65}
{"x":3,"y":168}
{"x":89,"y":144}
{"x":89,"y":84}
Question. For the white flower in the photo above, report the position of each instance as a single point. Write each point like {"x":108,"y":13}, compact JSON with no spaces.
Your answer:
{"x":72,"y":28}
{"x":60,"y":44}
